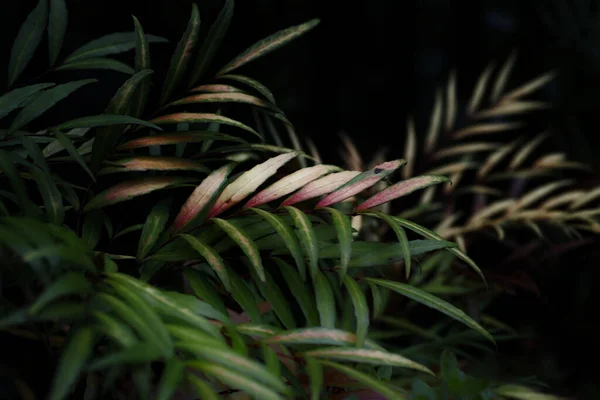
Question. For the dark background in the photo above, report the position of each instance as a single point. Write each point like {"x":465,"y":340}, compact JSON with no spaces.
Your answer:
{"x":367,"y":66}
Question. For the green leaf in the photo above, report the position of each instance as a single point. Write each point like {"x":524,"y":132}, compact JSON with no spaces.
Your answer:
{"x":73,"y":358}
{"x":267,"y":45}
{"x":390,"y":253}
{"x":51,"y":196}
{"x":300,"y":292}
{"x":361,"y":309}
{"x":182,"y":54}
{"x":113,"y":43}
{"x":236,"y":380}
{"x":276,"y":299}
{"x":367,"y":356}
{"x":521,"y":392}
{"x":153,"y":227}
{"x":131,"y":189}
{"x":17,"y":98}
{"x":141,"y":352}
{"x":27,"y":40}
{"x":103,"y":120}
{"x":68,"y":284}
{"x":201,"y":198}
{"x":212,"y":42}
{"x":325,"y":301}
{"x":315,"y":374}
{"x":402,"y":238}
{"x":142,"y":62}
{"x":68,"y":145}
{"x":202,"y":388}
{"x":46,"y":100}
{"x":243,"y":296}
{"x":205,"y":290}
{"x":245,"y":243}
{"x":8,"y":167}
{"x":434,"y":302}
{"x":96,"y":63}
{"x":57,"y":27}
{"x":170,"y":380}
{"x":115,"y":329}
{"x":178,"y":138}
{"x":307,"y":237}
{"x":344,"y":232}
{"x":248,"y":182}
{"x":288,"y":236}
{"x":373,"y":383}
{"x":254,"y":84}
{"x":202,"y":118}
{"x":212,"y":258}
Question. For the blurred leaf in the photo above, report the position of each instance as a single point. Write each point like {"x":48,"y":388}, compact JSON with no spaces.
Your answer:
{"x":435,"y":123}
{"x":141,"y":352}
{"x":96,"y":63}
{"x":170,"y":380}
{"x":47,"y":99}
{"x":521,"y":392}
{"x":51,"y":196}
{"x":248,"y":182}
{"x":502,"y":77}
{"x":17,"y":98}
{"x":57,"y":27}
{"x":205,"y":290}
{"x":113,"y":43}
{"x":102,"y":120}
{"x":212,"y":42}
{"x":434,"y":302}
{"x":300,"y":292}
{"x":202,"y":118}
{"x":92,"y":228}
{"x":13,"y":175}
{"x":212,"y":258}
{"x":267,"y":45}
{"x":68,"y":284}
{"x":307,"y":237}
{"x":245,"y":243}
{"x":182,"y":54}
{"x":72,"y":360}
{"x":177,"y":138}
{"x":27,"y":40}
{"x":203,"y":389}
{"x":321,"y":186}
{"x":153,"y":227}
{"x":241,"y":98}
{"x":141,"y":378}
{"x":115,"y":329}
{"x":422,"y":391}
{"x":361,"y":182}
{"x":287,"y":235}
{"x":254,"y":84}
{"x":202,"y":197}
{"x":142,"y":62}
{"x":131,"y":189}
{"x":315,"y":374}
{"x":361,"y":309}
{"x":479,"y":90}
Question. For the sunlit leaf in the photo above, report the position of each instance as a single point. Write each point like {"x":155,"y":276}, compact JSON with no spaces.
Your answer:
{"x":434,"y":302}
{"x":113,"y":43}
{"x":267,"y":45}
{"x":248,"y":182}
{"x":46,"y":100}
{"x":27,"y":40}
{"x":177,"y":138}
{"x":183,"y":53}
{"x":512,"y":108}
{"x":96,"y":63}
{"x":130,"y":189}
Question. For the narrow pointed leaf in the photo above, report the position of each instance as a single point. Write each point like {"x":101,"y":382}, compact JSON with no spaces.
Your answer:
{"x":248,"y":182}
{"x":289,"y":184}
{"x":27,"y":40}
{"x":103,"y":120}
{"x":152,"y":163}
{"x":315,"y":336}
{"x":216,"y":88}
{"x":68,"y":284}
{"x":153,"y":227}
{"x":315,"y":374}
{"x":367,"y":356}
{"x":202,"y":118}
{"x":361,"y":309}
{"x":170,"y":380}
{"x":434,"y":302}
{"x":325,"y":301}
{"x":307,"y":237}
{"x":361,"y":182}
{"x":203,"y":389}
{"x":503,"y":76}
{"x":276,"y":300}
{"x":57,"y":27}
{"x":212,"y":258}
{"x":51,"y":196}
{"x":485,"y":128}
{"x":16,"y":98}
{"x":183,"y":53}
{"x":402,"y":238}
{"x":72,"y":361}
{"x":321,"y":186}
{"x":46,"y":100}
{"x":243,"y":296}
{"x":300,"y":292}
{"x":142,"y":62}
{"x":245,"y":243}
{"x":115,"y":329}
{"x":131,"y":189}
{"x":529,"y":87}
{"x":394,"y":252}
{"x":178,"y":138}
{"x":267,"y":45}
{"x":401,"y":189}
{"x":96,"y":63}
{"x":212,"y":42}
{"x":141,"y":352}
{"x":435,"y":123}
{"x":68,"y":145}
{"x":113,"y":43}
{"x":479,"y":90}
{"x":222,"y":98}
{"x":254,"y":84}
{"x":372,"y":383}
{"x":343,"y":228}
{"x":206,"y":290}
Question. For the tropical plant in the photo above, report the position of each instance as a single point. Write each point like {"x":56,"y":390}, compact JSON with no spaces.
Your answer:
{"x":153,"y":257}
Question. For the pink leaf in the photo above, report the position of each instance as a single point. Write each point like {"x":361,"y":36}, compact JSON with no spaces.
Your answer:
{"x":361,"y":182}
{"x":320,"y":187}
{"x":401,"y":189}
{"x":289,"y":184}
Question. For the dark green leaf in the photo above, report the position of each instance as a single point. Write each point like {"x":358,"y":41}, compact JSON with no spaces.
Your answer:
{"x":68,"y":284}
{"x":307,"y":238}
{"x":17,"y":98}
{"x":153,"y":227}
{"x":205,"y":290}
{"x":142,"y":62}
{"x":115,"y":329}
{"x":254,"y":84}
{"x":50,"y":195}
{"x":113,"y":43}
{"x":315,"y":373}
{"x":299,"y":291}
{"x":7,"y":166}
{"x":243,"y":296}
{"x":344,"y":232}
{"x":103,"y":120}
{"x":57,"y":27}
{"x":276,"y":299}
{"x":171,"y":377}
{"x":68,"y":145}
{"x":212,"y":257}
{"x":96,"y":63}
{"x":361,"y":309}
{"x":27,"y":40}
{"x":140,"y":352}
{"x":325,"y":301}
